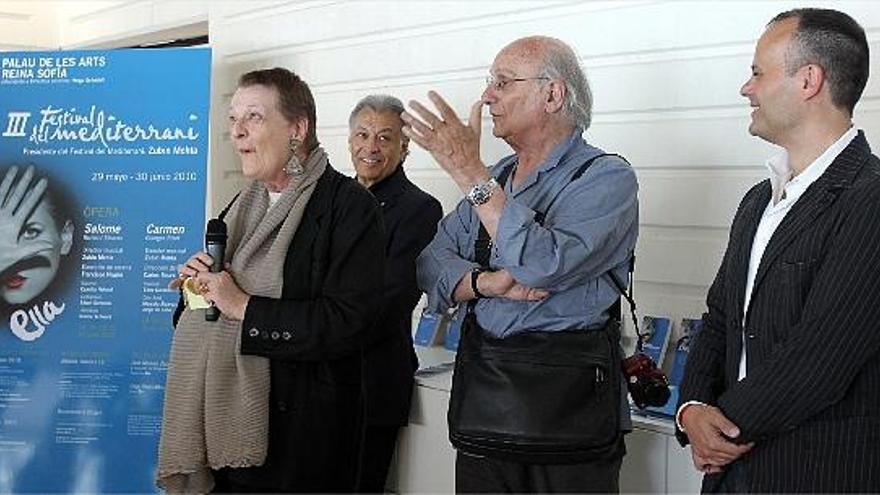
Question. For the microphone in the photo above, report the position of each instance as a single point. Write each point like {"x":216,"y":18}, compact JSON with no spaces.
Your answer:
{"x":215,"y":246}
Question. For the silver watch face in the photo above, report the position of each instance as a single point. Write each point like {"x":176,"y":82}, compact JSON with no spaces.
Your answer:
{"x":481,"y":192}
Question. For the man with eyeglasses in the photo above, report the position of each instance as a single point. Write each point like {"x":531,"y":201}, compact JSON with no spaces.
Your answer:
{"x":781,"y":392}
{"x":560,"y":216}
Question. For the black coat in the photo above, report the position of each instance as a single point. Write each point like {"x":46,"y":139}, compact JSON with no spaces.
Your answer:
{"x":410,"y":217}
{"x":811,"y":397}
{"x":333,"y":278}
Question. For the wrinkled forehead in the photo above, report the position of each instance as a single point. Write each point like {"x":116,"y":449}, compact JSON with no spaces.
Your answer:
{"x":370,"y":119}
{"x":518,"y":59}
{"x":254,"y":96}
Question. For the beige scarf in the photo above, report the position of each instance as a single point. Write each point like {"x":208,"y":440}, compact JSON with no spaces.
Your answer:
{"x":216,"y":411}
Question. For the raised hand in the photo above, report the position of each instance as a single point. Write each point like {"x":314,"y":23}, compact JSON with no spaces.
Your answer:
{"x":454,"y":145}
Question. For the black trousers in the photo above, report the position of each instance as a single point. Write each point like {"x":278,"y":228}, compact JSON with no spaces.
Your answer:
{"x":487,"y":475}
{"x":734,"y":479}
{"x":379,"y":443}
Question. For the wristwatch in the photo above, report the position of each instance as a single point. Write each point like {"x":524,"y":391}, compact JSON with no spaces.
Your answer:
{"x":481,"y":192}
{"x":475,"y":273}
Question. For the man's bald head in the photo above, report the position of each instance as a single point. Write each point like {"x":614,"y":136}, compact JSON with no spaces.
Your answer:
{"x":554,"y":59}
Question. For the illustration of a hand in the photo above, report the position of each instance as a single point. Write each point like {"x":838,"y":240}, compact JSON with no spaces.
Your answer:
{"x":17,"y":201}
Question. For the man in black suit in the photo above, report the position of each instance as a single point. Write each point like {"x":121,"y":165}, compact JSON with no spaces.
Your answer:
{"x":781,"y":391}
{"x":378,"y":149}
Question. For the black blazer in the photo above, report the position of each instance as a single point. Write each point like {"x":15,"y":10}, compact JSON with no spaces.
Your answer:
{"x":811,"y":397}
{"x":410,"y":217}
{"x":333,"y":278}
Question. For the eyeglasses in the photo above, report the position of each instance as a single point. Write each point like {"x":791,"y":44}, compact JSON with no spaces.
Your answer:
{"x":499,"y":83}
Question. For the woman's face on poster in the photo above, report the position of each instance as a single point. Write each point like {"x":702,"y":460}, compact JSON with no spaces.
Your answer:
{"x":37,"y":253}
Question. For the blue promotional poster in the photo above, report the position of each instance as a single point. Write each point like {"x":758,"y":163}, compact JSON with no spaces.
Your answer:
{"x":103,"y":158}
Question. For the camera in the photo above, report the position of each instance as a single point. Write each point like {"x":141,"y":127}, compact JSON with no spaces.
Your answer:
{"x":647,"y":385}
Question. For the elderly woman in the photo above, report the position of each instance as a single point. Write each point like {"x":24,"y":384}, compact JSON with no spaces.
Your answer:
{"x":268,"y":397}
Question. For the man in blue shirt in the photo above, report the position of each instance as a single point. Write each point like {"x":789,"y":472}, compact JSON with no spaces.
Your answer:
{"x":555,"y":237}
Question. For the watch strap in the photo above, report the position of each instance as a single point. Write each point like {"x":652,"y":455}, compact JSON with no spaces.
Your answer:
{"x":481,"y":192}
{"x":475,"y":274}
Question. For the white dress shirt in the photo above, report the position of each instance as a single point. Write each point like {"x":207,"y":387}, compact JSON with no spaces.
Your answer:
{"x":787,"y":189}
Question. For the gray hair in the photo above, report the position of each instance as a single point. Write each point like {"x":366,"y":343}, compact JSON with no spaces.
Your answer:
{"x":561,"y":62}
{"x":378,"y":103}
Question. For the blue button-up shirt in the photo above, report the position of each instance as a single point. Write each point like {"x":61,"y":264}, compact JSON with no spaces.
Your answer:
{"x":590,"y":229}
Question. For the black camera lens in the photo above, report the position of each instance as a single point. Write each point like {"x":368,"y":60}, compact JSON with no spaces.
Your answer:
{"x":656,"y":394}
{"x":647,"y":385}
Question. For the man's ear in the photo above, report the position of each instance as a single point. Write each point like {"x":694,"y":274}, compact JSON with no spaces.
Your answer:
{"x":404,"y":149}
{"x":555,"y":97}
{"x":67,"y":238}
{"x":812,"y":79}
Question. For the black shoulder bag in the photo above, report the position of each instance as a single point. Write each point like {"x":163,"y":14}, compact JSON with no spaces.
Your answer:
{"x":536,"y":397}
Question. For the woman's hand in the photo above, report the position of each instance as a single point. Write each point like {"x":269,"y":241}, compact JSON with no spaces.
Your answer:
{"x":218,"y":289}
{"x":198,"y":263}
{"x":221,"y":290}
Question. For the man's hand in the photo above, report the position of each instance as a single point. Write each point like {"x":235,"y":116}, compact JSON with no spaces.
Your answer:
{"x":709,"y":432}
{"x":704,"y":465}
{"x":502,"y":284}
{"x":455,"y":146}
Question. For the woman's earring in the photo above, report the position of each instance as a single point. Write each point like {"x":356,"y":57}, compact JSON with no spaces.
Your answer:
{"x":294,"y":166}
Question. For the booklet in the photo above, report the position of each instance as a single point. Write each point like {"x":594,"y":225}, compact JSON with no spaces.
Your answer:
{"x":453,"y":332}
{"x":656,"y":331}
{"x":428,"y":329}
{"x":689,"y":328}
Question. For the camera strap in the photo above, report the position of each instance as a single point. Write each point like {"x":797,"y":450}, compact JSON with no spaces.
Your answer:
{"x":627,"y":293}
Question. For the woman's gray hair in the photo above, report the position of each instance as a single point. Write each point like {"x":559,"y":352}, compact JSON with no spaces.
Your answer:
{"x":561,"y":62}
{"x":378,"y":103}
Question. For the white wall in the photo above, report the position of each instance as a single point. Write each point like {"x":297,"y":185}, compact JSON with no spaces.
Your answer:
{"x":27,"y":25}
{"x":114,"y":23}
{"x":665,"y":75}
{"x":41,"y":24}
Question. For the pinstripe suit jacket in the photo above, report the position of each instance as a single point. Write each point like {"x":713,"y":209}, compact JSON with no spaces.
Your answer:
{"x":811,"y":397}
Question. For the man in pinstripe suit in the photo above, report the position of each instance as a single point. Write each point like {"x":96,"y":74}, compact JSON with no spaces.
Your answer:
{"x":781,"y":391}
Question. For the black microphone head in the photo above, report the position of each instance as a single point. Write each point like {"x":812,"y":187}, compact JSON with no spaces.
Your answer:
{"x":216,"y":232}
